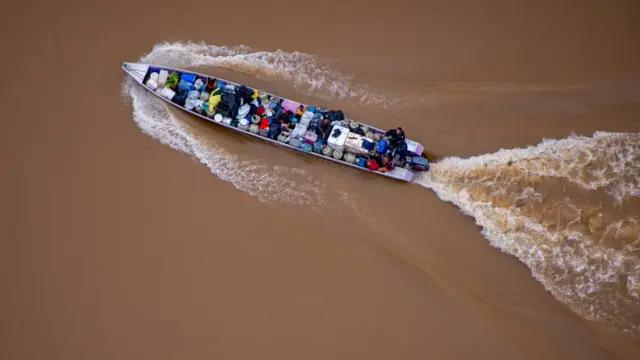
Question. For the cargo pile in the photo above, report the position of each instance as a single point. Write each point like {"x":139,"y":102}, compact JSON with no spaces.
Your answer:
{"x":325,"y":132}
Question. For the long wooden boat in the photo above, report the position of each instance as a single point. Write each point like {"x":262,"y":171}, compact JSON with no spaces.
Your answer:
{"x":141,"y":73}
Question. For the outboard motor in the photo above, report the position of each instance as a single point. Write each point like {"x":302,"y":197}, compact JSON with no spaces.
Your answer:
{"x":417,"y":163}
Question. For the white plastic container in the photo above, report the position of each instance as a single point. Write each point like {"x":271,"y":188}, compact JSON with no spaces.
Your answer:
{"x":243,"y":124}
{"x":253,"y":128}
{"x":337,"y":142}
{"x":350,"y":158}
{"x":162,"y":77}
{"x":167,"y":93}
{"x":217,"y":117}
{"x":152,"y":84}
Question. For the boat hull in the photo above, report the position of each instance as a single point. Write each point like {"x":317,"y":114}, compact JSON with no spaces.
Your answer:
{"x":139,"y":71}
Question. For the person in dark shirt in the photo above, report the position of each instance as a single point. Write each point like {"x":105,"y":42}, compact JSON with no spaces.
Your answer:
{"x":397,"y":142}
{"x":324,"y":129}
{"x":395,"y":136}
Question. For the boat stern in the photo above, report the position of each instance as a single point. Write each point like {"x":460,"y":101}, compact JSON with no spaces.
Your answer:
{"x":414,"y":147}
{"x":400,"y":173}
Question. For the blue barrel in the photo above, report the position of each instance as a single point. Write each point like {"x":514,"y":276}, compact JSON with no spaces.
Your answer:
{"x":185,"y":85}
{"x":306,"y":147}
{"x":317,"y":147}
{"x":188,"y":77}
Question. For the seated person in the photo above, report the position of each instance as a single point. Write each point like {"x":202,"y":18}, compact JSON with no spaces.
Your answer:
{"x":401,"y":149}
{"x":285,"y":121}
{"x":387,"y":164}
{"x":395,"y":136}
{"x":324,"y":129}
{"x":300,"y":111}
{"x":373,"y":163}
{"x":397,"y":143}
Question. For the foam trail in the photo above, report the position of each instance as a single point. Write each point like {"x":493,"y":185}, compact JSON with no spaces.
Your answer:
{"x":268,"y":184}
{"x":587,"y":257}
{"x":607,"y":160}
{"x":306,"y":73}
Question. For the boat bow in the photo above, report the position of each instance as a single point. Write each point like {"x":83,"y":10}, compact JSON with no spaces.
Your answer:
{"x":137,"y":71}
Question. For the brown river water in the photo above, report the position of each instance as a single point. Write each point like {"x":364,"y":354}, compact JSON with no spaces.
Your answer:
{"x":134,"y":231}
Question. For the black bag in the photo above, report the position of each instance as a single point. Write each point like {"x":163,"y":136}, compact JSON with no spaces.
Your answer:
{"x":278,"y":111}
{"x":274,"y":129}
{"x":335,"y":115}
{"x":229,"y":104}
{"x":180,"y":98}
{"x":244,"y":93}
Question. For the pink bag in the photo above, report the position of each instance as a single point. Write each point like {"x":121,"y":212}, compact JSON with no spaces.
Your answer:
{"x":310,"y":137}
{"x":290,"y":105}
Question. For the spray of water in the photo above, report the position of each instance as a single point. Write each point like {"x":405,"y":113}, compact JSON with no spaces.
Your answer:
{"x":586,"y":256}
